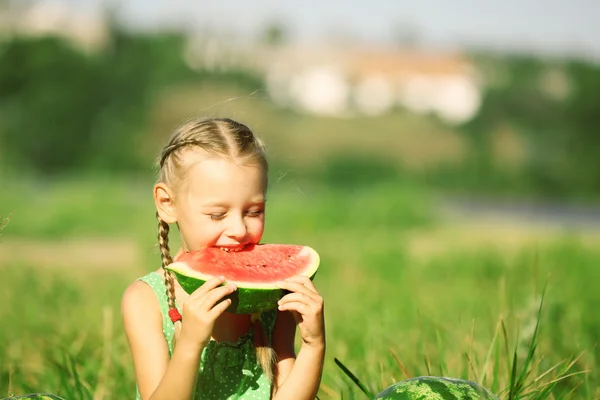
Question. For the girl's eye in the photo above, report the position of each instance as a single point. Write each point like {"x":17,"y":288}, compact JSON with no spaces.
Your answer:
{"x":217,"y":216}
{"x":256,"y":213}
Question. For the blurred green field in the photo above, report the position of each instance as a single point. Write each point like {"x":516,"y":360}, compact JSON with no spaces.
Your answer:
{"x":73,"y":245}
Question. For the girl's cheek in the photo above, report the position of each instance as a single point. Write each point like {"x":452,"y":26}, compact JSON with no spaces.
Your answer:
{"x":257,"y":232}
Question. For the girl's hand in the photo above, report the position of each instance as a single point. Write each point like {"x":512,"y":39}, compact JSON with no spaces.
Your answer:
{"x":200,"y":311}
{"x":306,"y":305}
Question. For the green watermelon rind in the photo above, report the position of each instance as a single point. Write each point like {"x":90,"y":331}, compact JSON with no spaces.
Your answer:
{"x":435,"y":388}
{"x":250,"y":297}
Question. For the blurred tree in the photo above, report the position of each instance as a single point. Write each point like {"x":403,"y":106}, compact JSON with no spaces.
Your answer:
{"x":581,"y":124}
{"x":47,"y":103}
{"x":558,"y":124}
{"x":62,"y":110}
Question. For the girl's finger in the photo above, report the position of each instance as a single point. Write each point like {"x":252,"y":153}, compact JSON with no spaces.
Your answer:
{"x":217,"y":294}
{"x":198,"y":301}
{"x":219,"y":308}
{"x":304,"y":280}
{"x":296,"y":288}
{"x":300,"y":308}
{"x":297,"y":297}
{"x":206,"y":287}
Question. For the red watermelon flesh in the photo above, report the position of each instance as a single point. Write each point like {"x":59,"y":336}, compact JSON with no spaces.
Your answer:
{"x":263,"y":263}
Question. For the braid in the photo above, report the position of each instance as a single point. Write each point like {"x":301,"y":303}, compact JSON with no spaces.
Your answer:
{"x":174,"y":146}
{"x":163,"y":242}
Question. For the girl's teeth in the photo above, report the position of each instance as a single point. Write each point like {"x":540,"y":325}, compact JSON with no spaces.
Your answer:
{"x":228,"y":249}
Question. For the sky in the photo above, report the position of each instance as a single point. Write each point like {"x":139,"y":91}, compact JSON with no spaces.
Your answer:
{"x":548,"y":26}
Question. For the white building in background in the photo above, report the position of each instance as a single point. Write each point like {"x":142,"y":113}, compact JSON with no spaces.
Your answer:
{"x":346,"y":83}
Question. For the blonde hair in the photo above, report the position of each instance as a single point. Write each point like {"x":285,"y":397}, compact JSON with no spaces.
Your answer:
{"x":215,"y":136}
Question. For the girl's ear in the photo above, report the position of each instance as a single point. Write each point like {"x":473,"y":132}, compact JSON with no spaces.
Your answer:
{"x":165,"y":205}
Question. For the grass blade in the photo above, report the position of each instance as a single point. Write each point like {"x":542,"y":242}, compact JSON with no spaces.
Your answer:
{"x":496,"y":374}
{"x":402,"y":367}
{"x":472,"y":368}
{"x":354,"y":378}
{"x":488,"y":356}
{"x":441,"y":352}
{"x":513,"y":377}
{"x":520,"y":384}
{"x":506,"y":351}
{"x":470,"y":355}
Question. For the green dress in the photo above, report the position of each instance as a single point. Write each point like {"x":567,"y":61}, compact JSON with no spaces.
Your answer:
{"x":227,"y":370}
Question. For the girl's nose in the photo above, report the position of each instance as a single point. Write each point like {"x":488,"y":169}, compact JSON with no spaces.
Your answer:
{"x":237,"y":229}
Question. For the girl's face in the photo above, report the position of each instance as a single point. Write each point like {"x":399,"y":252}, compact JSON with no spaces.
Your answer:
{"x":221,"y":204}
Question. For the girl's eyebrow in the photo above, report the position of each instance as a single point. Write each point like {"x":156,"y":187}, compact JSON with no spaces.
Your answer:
{"x":213,"y":202}
{"x":219,"y":203}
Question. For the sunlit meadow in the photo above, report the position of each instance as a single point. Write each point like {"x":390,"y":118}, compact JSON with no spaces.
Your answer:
{"x":394,"y":310}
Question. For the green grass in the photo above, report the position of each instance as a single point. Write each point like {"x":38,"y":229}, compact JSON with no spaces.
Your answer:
{"x":467,"y":314}
{"x":4,"y":222}
{"x":61,"y":208}
{"x":522,"y":378}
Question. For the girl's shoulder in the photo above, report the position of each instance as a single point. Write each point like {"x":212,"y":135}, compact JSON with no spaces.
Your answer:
{"x":140,"y":312}
{"x":153,"y":279}
{"x":140,"y":297}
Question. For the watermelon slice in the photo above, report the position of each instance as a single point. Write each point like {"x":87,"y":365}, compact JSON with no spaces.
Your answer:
{"x":255,"y":269}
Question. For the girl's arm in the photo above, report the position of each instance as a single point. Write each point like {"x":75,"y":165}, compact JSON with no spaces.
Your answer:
{"x":299,"y":377}
{"x":157,"y":376}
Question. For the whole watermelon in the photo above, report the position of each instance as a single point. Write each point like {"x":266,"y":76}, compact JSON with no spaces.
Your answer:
{"x":435,"y":388}
{"x":35,"y":396}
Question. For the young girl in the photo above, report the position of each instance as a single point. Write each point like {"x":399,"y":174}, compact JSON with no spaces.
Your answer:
{"x":212,"y":185}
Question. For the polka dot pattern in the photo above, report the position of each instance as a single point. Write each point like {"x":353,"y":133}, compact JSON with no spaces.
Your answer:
{"x":227,"y":370}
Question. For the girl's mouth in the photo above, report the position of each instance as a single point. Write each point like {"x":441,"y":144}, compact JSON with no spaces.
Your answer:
{"x":233,"y":249}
